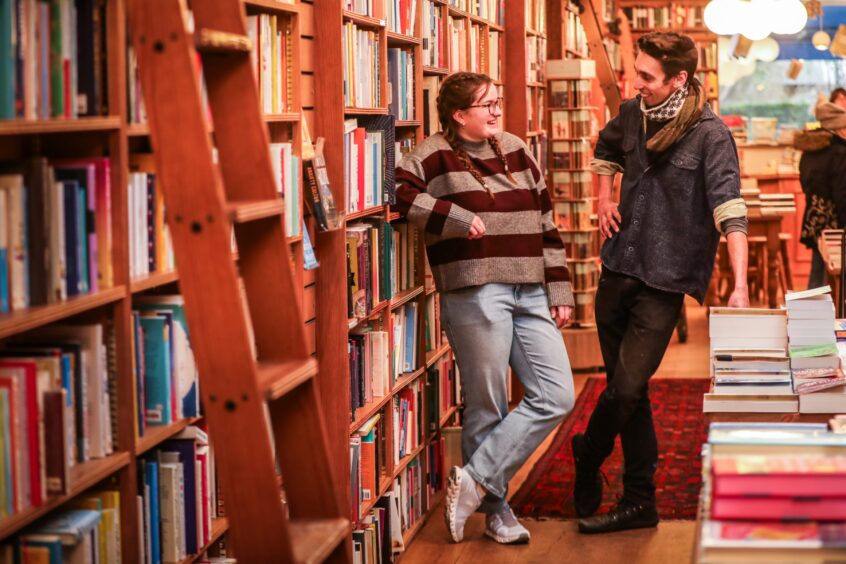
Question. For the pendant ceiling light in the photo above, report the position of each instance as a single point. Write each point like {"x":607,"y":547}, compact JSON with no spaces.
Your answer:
{"x":821,"y":40}
{"x":755,"y":19}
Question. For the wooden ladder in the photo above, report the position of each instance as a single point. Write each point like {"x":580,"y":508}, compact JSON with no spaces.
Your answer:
{"x":204,"y":201}
{"x":592,"y":24}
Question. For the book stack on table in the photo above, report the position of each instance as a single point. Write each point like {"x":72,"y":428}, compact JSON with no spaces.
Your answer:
{"x":773,"y":492}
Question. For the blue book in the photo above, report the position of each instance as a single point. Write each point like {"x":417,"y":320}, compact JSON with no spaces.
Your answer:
{"x":7,"y":61}
{"x":82,"y":240}
{"x":140,"y":392}
{"x":72,"y":235}
{"x":4,"y":280}
{"x":410,"y":345}
{"x":187,"y":451}
{"x":70,"y":525}
{"x":157,"y":377}
{"x":151,"y":480}
{"x":174,"y":306}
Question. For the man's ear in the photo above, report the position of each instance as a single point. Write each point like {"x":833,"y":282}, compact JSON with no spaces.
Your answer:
{"x":680,"y":79}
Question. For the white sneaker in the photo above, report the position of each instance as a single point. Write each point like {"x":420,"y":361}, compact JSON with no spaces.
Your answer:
{"x":503,"y":527}
{"x":462,"y":500}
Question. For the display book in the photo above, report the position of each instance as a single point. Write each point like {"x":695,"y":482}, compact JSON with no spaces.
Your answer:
{"x":572,"y":130}
{"x":772,"y":492}
{"x":784,"y":360}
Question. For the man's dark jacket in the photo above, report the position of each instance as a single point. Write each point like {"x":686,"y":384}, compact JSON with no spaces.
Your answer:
{"x":668,"y":237}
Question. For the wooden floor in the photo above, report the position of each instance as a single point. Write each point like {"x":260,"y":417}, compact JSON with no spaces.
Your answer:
{"x":559,"y":541}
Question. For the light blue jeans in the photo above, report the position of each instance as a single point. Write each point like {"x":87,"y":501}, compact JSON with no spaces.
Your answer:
{"x":491,"y":327}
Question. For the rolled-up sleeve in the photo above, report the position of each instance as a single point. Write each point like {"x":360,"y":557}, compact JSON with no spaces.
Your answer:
{"x":608,"y":157}
{"x":722,"y":182}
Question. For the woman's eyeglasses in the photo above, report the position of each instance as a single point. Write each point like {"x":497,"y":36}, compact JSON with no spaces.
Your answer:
{"x":492,"y":106}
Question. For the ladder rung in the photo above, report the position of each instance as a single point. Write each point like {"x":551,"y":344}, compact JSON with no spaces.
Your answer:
{"x":315,"y":540}
{"x":278,"y":378}
{"x":214,"y":41}
{"x":243,"y":212}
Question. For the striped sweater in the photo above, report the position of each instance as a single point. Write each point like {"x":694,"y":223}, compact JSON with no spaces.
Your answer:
{"x":521,"y":244}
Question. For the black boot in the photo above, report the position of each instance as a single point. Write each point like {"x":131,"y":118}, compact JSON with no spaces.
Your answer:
{"x":587,"y":492}
{"x":624,"y":515}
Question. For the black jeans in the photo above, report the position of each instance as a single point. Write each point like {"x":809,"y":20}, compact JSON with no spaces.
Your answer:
{"x":635,"y":324}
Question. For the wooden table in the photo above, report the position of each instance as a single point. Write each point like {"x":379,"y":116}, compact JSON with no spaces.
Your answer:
{"x":768,"y":226}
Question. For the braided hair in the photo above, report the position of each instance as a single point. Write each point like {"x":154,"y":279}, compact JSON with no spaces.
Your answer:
{"x":459,"y":91}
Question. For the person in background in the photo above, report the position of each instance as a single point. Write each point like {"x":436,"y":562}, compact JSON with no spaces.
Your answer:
{"x":499,"y":263}
{"x":838,"y":96}
{"x":680,"y":190}
{"x":822,"y":173}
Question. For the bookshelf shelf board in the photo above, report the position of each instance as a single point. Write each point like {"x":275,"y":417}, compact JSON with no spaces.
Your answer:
{"x":535,"y":84}
{"x":447,"y":415}
{"x":363,"y":21}
{"x":430,"y":291}
{"x":32,"y":318}
{"x":219,"y":527}
{"x":374,"y":313}
{"x":295,"y":240}
{"x":498,"y":82}
{"x":365,"y":213}
{"x":479,"y":20}
{"x":433,"y":356}
{"x":272,"y":6}
{"x":435,"y":71}
{"x":78,"y":125}
{"x":576,"y":54}
{"x":404,"y":297}
{"x":362,"y":414}
{"x":405,"y":460}
{"x":535,"y":33}
{"x":83,"y":476}
{"x":496,"y":27}
{"x":707,"y":69}
{"x":537,"y":133}
{"x":155,"y":435}
{"x":286,"y":117}
{"x":408,"y":123}
{"x":384,"y":484}
{"x":409,"y":534}
{"x":583,"y":260}
{"x":590,"y":290}
{"x":352,"y":110}
{"x":591,"y":230}
{"x":153,"y":281}
{"x":456,"y":13}
{"x":395,"y":38}
{"x":137,"y":129}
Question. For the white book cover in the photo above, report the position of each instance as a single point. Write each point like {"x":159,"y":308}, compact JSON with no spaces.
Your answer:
{"x":742,"y":326}
{"x":58,"y":272}
{"x":832,"y":400}
{"x":17,"y":255}
{"x":812,"y":340}
{"x":749,"y":342}
{"x":168,"y":511}
{"x":830,"y":361}
{"x":718,"y":403}
{"x":143,"y":546}
{"x":820,"y":293}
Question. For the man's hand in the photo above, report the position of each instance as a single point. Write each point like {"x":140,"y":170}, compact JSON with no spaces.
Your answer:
{"x":477,"y":228}
{"x":561,"y":315}
{"x":609,"y":218}
{"x":740,"y":297}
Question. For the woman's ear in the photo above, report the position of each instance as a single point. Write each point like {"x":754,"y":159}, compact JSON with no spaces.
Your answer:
{"x":458,"y":117}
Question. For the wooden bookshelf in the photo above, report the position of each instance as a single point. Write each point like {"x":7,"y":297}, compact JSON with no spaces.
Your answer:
{"x":114,"y":136}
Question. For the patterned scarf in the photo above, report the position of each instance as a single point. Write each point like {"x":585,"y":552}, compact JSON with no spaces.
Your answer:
{"x":668,"y":109}
{"x":683,"y":108}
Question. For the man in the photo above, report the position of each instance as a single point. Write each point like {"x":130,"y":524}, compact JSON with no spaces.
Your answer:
{"x":681,"y":188}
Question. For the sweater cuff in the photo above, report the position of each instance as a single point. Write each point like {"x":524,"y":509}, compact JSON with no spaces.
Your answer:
{"x":729,"y":210}
{"x":560,"y":294}
{"x":458,"y":222}
{"x":736,"y":224}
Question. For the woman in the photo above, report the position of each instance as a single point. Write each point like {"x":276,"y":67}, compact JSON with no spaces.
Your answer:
{"x":499,"y":264}
{"x":822,"y":170}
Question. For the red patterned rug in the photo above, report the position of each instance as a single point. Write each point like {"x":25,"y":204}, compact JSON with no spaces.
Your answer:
{"x":681,"y":429}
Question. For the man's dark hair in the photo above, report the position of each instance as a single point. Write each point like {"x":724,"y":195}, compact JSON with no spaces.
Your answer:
{"x":836,"y":93}
{"x":675,"y":52}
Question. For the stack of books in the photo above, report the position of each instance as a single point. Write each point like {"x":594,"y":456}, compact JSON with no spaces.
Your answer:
{"x":749,"y":363}
{"x":777,"y":204}
{"x":814,"y":359}
{"x":773,"y":492}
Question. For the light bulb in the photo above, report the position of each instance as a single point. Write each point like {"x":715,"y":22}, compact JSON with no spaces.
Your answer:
{"x":721,"y":16}
{"x":788,"y":17}
{"x":821,"y":40}
{"x":755,"y":23}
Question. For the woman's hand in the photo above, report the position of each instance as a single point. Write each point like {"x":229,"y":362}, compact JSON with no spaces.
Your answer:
{"x":477,"y":228}
{"x":609,"y":218}
{"x":561,"y":315}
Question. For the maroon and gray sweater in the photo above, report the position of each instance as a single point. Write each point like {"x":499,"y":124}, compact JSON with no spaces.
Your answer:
{"x":521,"y":244}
